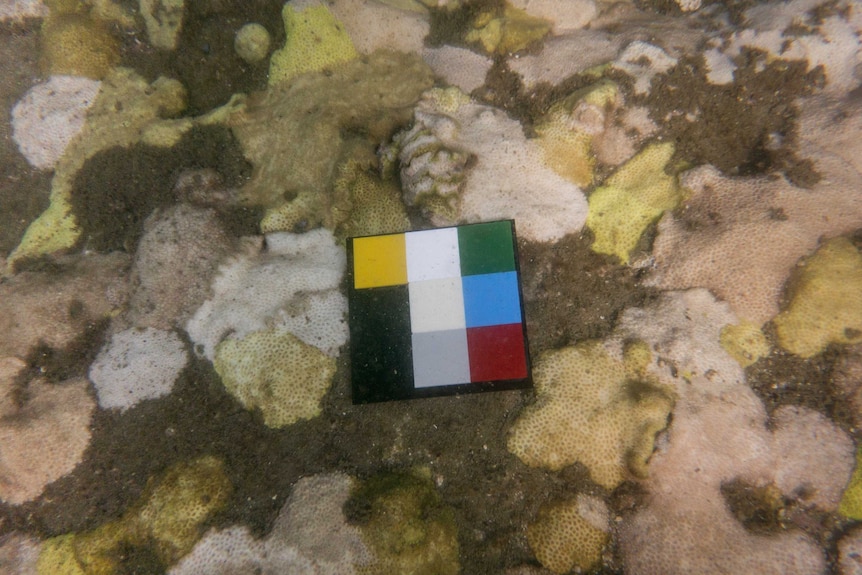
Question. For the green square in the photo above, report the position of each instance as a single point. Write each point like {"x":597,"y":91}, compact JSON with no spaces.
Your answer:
{"x":486,"y":248}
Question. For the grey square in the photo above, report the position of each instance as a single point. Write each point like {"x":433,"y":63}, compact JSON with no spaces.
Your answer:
{"x":440,"y":358}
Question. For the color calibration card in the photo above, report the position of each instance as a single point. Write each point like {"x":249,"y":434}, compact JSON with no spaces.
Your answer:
{"x":436,"y":312}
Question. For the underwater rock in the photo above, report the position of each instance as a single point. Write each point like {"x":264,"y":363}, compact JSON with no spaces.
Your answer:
{"x":61,"y":303}
{"x":175,"y":263}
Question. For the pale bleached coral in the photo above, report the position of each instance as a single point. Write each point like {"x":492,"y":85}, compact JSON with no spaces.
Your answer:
{"x":375,"y":25}
{"x":459,"y":67}
{"x":292,"y":284}
{"x":56,"y":309}
{"x":18,"y":554}
{"x":310,"y":535}
{"x":174,"y":265}
{"x":44,"y":430}
{"x":19,"y":10}
{"x":719,"y":434}
{"x":506,"y":179}
{"x":741,"y":236}
{"x":137,"y":364}
{"x":828,"y":36}
{"x":50,"y":115}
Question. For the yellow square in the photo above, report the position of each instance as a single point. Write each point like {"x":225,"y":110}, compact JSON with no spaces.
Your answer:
{"x":379,"y":261}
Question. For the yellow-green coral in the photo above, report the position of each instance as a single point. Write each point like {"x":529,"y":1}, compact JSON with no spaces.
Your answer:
{"x":745,"y":342}
{"x":631,"y":199}
{"x":851,"y":501}
{"x":78,"y":44}
{"x":507,"y":31}
{"x":825,"y":301}
{"x":564,"y":537}
{"x":593,"y":409}
{"x":375,"y":204}
{"x":126,"y":107}
{"x":406,"y":525}
{"x":566,"y":132}
{"x":316,"y":41}
{"x":276,"y":372}
{"x":166,"y":519}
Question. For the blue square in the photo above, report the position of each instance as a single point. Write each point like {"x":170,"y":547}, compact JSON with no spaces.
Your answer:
{"x":491,"y":299}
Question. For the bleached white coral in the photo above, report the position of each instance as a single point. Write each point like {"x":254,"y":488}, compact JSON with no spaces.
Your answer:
{"x":465,"y":162}
{"x":137,"y":364}
{"x":719,"y":434}
{"x":50,"y":115}
{"x":310,"y":535}
{"x":17,"y":10}
{"x":292,"y":285}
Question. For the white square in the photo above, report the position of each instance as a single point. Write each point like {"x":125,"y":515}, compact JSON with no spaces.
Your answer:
{"x":432,"y":254}
{"x":436,"y":305}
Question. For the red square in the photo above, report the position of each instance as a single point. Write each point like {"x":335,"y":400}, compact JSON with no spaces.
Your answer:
{"x":497,"y":352}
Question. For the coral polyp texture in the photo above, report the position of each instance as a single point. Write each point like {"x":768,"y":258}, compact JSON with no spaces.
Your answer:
{"x":825,"y":301}
{"x":181,"y":182}
{"x":571,"y":534}
{"x":594,"y":409}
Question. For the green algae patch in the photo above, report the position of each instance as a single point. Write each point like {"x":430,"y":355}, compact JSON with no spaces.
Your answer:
{"x":631,"y":199}
{"x":405,"y":524}
{"x":166,"y":521}
{"x":297,"y":133}
{"x":825,"y":301}
{"x":277,"y":373}
{"x":316,"y":41}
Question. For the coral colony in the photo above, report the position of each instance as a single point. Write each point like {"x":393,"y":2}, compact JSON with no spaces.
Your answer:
{"x":235,"y":234}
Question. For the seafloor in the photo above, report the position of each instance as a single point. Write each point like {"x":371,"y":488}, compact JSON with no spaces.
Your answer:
{"x":176,"y":188}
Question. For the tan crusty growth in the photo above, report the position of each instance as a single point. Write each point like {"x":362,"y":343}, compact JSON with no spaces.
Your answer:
{"x":592,"y":409}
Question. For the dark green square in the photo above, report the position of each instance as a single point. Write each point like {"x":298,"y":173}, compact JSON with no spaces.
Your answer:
{"x":486,"y":248}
